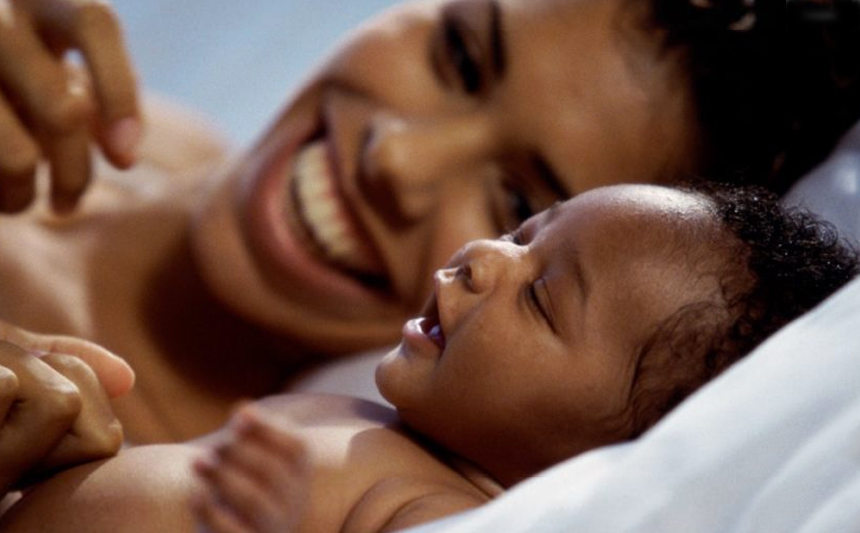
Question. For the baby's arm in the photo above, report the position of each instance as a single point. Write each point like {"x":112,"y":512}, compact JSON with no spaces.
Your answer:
{"x":257,"y":481}
{"x":396,"y":504}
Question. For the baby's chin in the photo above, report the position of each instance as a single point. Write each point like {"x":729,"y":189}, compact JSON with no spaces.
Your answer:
{"x":381,"y":377}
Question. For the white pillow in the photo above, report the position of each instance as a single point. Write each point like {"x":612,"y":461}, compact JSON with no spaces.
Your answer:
{"x":832,"y":190}
{"x":771,"y":446}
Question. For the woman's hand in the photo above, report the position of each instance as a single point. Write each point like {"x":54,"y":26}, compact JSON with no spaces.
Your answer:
{"x":54,"y":404}
{"x":52,"y":110}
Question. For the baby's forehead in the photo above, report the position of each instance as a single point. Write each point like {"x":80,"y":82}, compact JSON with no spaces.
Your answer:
{"x":654,"y":208}
{"x":632,"y":200}
{"x":660,"y":223}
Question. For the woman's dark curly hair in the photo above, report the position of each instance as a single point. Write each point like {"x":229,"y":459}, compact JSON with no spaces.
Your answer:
{"x":776,"y":83}
{"x":779,"y":264}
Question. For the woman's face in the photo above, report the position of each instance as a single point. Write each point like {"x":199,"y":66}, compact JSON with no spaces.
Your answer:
{"x":437,"y":123}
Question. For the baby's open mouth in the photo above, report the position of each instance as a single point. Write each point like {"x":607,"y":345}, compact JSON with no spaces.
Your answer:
{"x":429,"y":322}
{"x":326,"y":225}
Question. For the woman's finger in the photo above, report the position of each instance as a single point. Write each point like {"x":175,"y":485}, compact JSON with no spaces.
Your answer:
{"x":37,"y":81}
{"x":69,"y":156}
{"x":93,"y":27}
{"x":19,"y":155}
{"x":96,"y":433}
{"x":114,"y":374}
{"x":44,"y":407}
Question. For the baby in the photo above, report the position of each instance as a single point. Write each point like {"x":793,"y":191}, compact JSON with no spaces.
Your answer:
{"x":581,"y":329}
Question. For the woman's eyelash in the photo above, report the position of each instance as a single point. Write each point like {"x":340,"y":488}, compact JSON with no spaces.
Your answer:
{"x":461,"y":58}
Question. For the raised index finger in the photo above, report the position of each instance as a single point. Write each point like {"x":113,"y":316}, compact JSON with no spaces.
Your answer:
{"x":93,"y":28}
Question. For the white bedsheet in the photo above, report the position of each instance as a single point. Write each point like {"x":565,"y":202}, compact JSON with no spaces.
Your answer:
{"x":772,"y":446}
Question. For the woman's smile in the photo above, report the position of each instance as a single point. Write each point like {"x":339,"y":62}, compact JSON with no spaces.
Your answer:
{"x":321,"y":215}
{"x":301,"y":224}
{"x":387,"y":162}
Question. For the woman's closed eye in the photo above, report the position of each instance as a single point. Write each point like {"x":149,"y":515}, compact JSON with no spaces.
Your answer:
{"x":463,"y":55}
{"x":518,"y":206}
{"x":511,"y":205}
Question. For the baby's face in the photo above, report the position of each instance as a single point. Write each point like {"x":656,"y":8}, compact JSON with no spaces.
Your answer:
{"x":527,"y":350}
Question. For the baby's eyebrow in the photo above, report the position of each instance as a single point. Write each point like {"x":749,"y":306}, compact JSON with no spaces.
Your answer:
{"x":552,"y":211}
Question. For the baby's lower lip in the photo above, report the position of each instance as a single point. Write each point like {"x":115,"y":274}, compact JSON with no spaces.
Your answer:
{"x":433,"y":330}
{"x":421,"y":334}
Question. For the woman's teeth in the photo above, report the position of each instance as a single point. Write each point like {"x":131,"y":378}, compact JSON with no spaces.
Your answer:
{"x":323,"y":214}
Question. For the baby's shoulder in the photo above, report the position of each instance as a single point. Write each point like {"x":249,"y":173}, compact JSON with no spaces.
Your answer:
{"x":382,"y":473}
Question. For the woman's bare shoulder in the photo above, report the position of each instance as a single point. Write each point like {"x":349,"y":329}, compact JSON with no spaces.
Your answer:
{"x":179,"y":139}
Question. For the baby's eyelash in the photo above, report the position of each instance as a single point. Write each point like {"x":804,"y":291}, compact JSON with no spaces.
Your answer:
{"x":539,"y":305}
{"x":515,"y":236}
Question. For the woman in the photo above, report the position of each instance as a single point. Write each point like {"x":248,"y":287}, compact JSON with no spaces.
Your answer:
{"x":438,"y":123}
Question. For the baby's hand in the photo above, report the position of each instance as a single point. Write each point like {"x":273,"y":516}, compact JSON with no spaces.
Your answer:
{"x":51,"y":110}
{"x":255,"y":482}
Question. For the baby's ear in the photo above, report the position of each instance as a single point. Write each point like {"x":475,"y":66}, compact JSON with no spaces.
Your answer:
{"x":115,"y":375}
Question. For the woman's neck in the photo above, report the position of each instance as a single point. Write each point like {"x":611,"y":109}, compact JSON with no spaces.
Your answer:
{"x":205,"y":339}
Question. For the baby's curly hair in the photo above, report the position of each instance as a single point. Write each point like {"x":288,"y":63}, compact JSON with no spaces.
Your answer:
{"x":776,"y":83}
{"x":778,"y":264}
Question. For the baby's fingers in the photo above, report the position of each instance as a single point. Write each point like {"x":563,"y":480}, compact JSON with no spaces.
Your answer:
{"x":239,"y":492}
{"x":213,"y":517}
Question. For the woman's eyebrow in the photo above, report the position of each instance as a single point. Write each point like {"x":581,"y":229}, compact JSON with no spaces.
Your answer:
{"x":497,"y":41}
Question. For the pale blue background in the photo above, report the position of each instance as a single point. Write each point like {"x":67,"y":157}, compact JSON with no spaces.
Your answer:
{"x":234,"y":60}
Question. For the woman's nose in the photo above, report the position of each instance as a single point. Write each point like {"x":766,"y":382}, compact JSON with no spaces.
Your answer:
{"x":406,"y":162}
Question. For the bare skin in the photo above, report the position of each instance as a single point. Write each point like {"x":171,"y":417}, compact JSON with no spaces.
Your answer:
{"x":350,"y":445}
{"x":55,"y":404}
{"x":524,"y":356}
{"x":180,"y":263}
{"x":122,"y":303}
